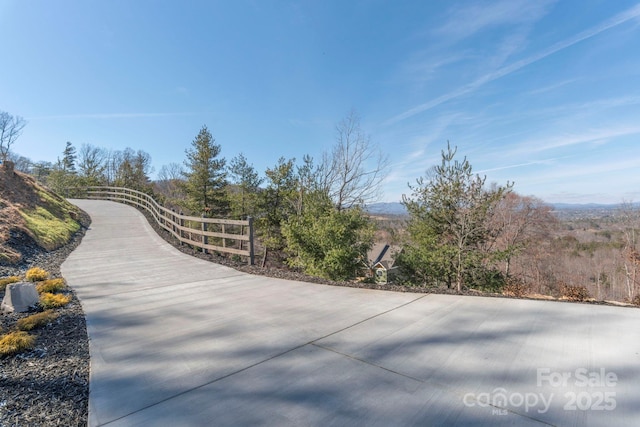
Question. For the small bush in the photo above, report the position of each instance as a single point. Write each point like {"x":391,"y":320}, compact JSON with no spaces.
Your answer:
{"x":515,"y":288}
{"x":36,"y":320}
{"x":8,"y":280}
{"x":49,"y":300}
{"x":16,"y":342}
{"x":36,"y":274}
{"x":574,"y":293}
{"x":636,"y":300}
{"x":51,"y":286}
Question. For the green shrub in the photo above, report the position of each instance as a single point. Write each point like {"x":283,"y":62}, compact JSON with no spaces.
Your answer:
{"x":16,"y":342}
{"x":36,"y":274}
{"x":49,"y":300}
{"x":51,"y":286}
{"x":36,"y":320}
{"x":485,"y":279}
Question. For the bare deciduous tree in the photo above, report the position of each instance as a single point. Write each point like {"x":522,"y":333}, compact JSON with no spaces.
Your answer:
{"x":630,"y":225}
{"x":10,"y":129}
{"x":520,"y":220}
{"x":171,"y":172}
{"x":92,"y":163}
{"x":352,"y":173}
{"x":170,"y":180}
{"x":22,"y":164}
{"x":129,"y":169}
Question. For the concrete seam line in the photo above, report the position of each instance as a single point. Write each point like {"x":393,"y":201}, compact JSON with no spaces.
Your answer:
{"x":369,"y":318}
{"x":374,"y":365}
{"x":441,"y":386}
{"x":261,"y":362}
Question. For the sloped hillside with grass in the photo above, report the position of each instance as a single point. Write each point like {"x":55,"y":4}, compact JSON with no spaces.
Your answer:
{"x":44,"y":353}
{"x":31,"y":215}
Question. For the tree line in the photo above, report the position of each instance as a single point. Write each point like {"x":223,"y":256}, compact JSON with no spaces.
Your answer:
{"x":310,"y":214}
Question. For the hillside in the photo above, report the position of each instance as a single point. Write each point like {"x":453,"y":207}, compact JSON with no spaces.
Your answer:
{"x":31,"y":217}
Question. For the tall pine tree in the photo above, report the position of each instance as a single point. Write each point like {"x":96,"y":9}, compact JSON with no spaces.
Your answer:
{"x":69,"y":158}
{"x":205,"y":177}
{"x":244,"y":193}
{"x":450,"y":229}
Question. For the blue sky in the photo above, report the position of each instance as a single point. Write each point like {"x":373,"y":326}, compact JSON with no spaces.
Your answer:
{"x":545,"y":94}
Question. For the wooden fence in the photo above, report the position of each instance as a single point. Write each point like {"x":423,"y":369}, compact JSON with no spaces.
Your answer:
{"x":209,"y":234}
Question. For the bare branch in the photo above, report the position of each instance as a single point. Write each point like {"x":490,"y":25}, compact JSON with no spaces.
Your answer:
{"x":10,"y":129}
{"x":353,"y":172}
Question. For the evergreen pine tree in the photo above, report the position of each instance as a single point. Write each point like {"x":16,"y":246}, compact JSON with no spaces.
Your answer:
{"x":69,"y":158}
{"x":205,"y":177}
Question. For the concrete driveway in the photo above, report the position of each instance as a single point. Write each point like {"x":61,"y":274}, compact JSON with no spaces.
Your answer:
{"x":178,"y":341}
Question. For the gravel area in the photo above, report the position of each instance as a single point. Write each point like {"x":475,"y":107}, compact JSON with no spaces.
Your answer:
{"x":48,"y":386}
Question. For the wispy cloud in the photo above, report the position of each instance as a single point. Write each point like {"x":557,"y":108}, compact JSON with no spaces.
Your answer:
{"x":521,"y":165}
{"x":568,"y":172}
{"x":422,"y":66}
{"x":107,"y":116}
{"x":618,"y":19}
{"x":573,"y":112}
{"x":551,"y":87}
{"x":592,"y":136}
{"x":464,"y":22}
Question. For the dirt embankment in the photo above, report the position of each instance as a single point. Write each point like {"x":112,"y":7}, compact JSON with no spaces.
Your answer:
{"x":48,"y":385}
{"x":31,"y":217}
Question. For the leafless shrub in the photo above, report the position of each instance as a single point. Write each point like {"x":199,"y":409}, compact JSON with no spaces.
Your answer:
{"x":574,"y":293}
{"x":515,"y":288}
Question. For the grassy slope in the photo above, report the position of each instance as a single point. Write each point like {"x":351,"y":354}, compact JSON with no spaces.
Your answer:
{"x":28,"y":207}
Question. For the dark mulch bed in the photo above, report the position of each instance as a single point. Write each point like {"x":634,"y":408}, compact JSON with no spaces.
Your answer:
{"x":48,"y":386}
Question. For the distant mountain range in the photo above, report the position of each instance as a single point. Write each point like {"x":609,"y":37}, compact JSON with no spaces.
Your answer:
{"x":396,"y":208}
{"x":388,"y":208}
{"x":588,"y":206}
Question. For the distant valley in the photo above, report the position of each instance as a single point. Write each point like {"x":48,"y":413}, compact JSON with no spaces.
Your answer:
{"x":562,"y":210}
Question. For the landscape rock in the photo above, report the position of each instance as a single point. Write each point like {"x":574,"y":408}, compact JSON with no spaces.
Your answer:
{"x":19,"y":297}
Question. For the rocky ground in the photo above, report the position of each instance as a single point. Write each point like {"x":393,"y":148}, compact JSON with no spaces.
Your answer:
{"x":48,"y":386}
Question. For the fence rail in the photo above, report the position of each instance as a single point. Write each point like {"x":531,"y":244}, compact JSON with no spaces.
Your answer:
{"x":209,"y":234}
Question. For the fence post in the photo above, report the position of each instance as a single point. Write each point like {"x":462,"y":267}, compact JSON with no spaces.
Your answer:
{"x":205,"y":239}
{"x":181,"y":225}
{"x":251,"y":250}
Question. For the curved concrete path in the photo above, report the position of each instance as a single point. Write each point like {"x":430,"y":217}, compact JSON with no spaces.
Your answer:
{"x":178,"y":341}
